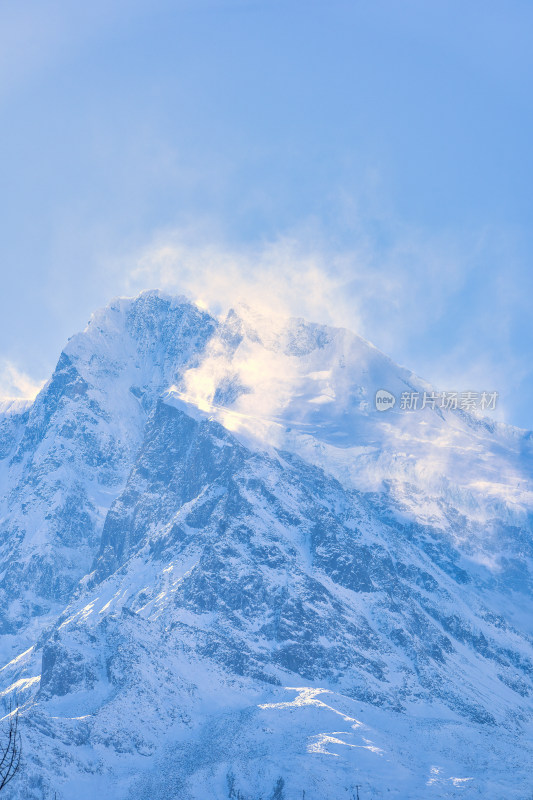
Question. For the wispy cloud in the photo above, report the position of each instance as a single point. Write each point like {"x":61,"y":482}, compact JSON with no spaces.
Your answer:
{"x":16,"y":383}
{"x":282,"y":276}
{"x":423,"y":299}
{"x":395,"y":289}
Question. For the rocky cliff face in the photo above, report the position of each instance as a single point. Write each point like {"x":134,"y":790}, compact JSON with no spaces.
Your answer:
{"x":66,"y":458}
{"x":198,"y":514}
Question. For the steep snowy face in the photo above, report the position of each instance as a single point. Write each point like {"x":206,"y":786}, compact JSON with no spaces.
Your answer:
{"x":271,"y":567}
{"x":205,"y":512}
{"x":65,"y":458}
{"x":311,"y":389}
{"x":225,"y":574}
{"x":13,"y":418}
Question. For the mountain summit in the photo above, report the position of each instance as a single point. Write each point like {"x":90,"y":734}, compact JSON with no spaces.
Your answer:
{"x":225,"y":573}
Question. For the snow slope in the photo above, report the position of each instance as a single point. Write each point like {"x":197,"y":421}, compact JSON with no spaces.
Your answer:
{"x":222,"y":566}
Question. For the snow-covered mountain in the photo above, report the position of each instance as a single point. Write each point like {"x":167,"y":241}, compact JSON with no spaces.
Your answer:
{"x":221,"y":566}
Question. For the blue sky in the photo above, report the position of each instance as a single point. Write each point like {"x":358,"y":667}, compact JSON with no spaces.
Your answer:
{"x":367,"y":163}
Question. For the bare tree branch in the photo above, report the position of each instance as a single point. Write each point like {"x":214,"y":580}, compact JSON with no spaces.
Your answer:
{"x":11,"y":750}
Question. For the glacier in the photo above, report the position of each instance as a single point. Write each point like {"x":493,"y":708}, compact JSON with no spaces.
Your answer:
{"x":222,"y":567}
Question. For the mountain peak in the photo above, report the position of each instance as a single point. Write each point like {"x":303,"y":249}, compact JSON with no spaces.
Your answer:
{"x":197,"y":512}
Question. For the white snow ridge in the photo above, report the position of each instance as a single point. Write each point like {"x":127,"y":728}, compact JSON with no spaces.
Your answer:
{"x":226,"y":575}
